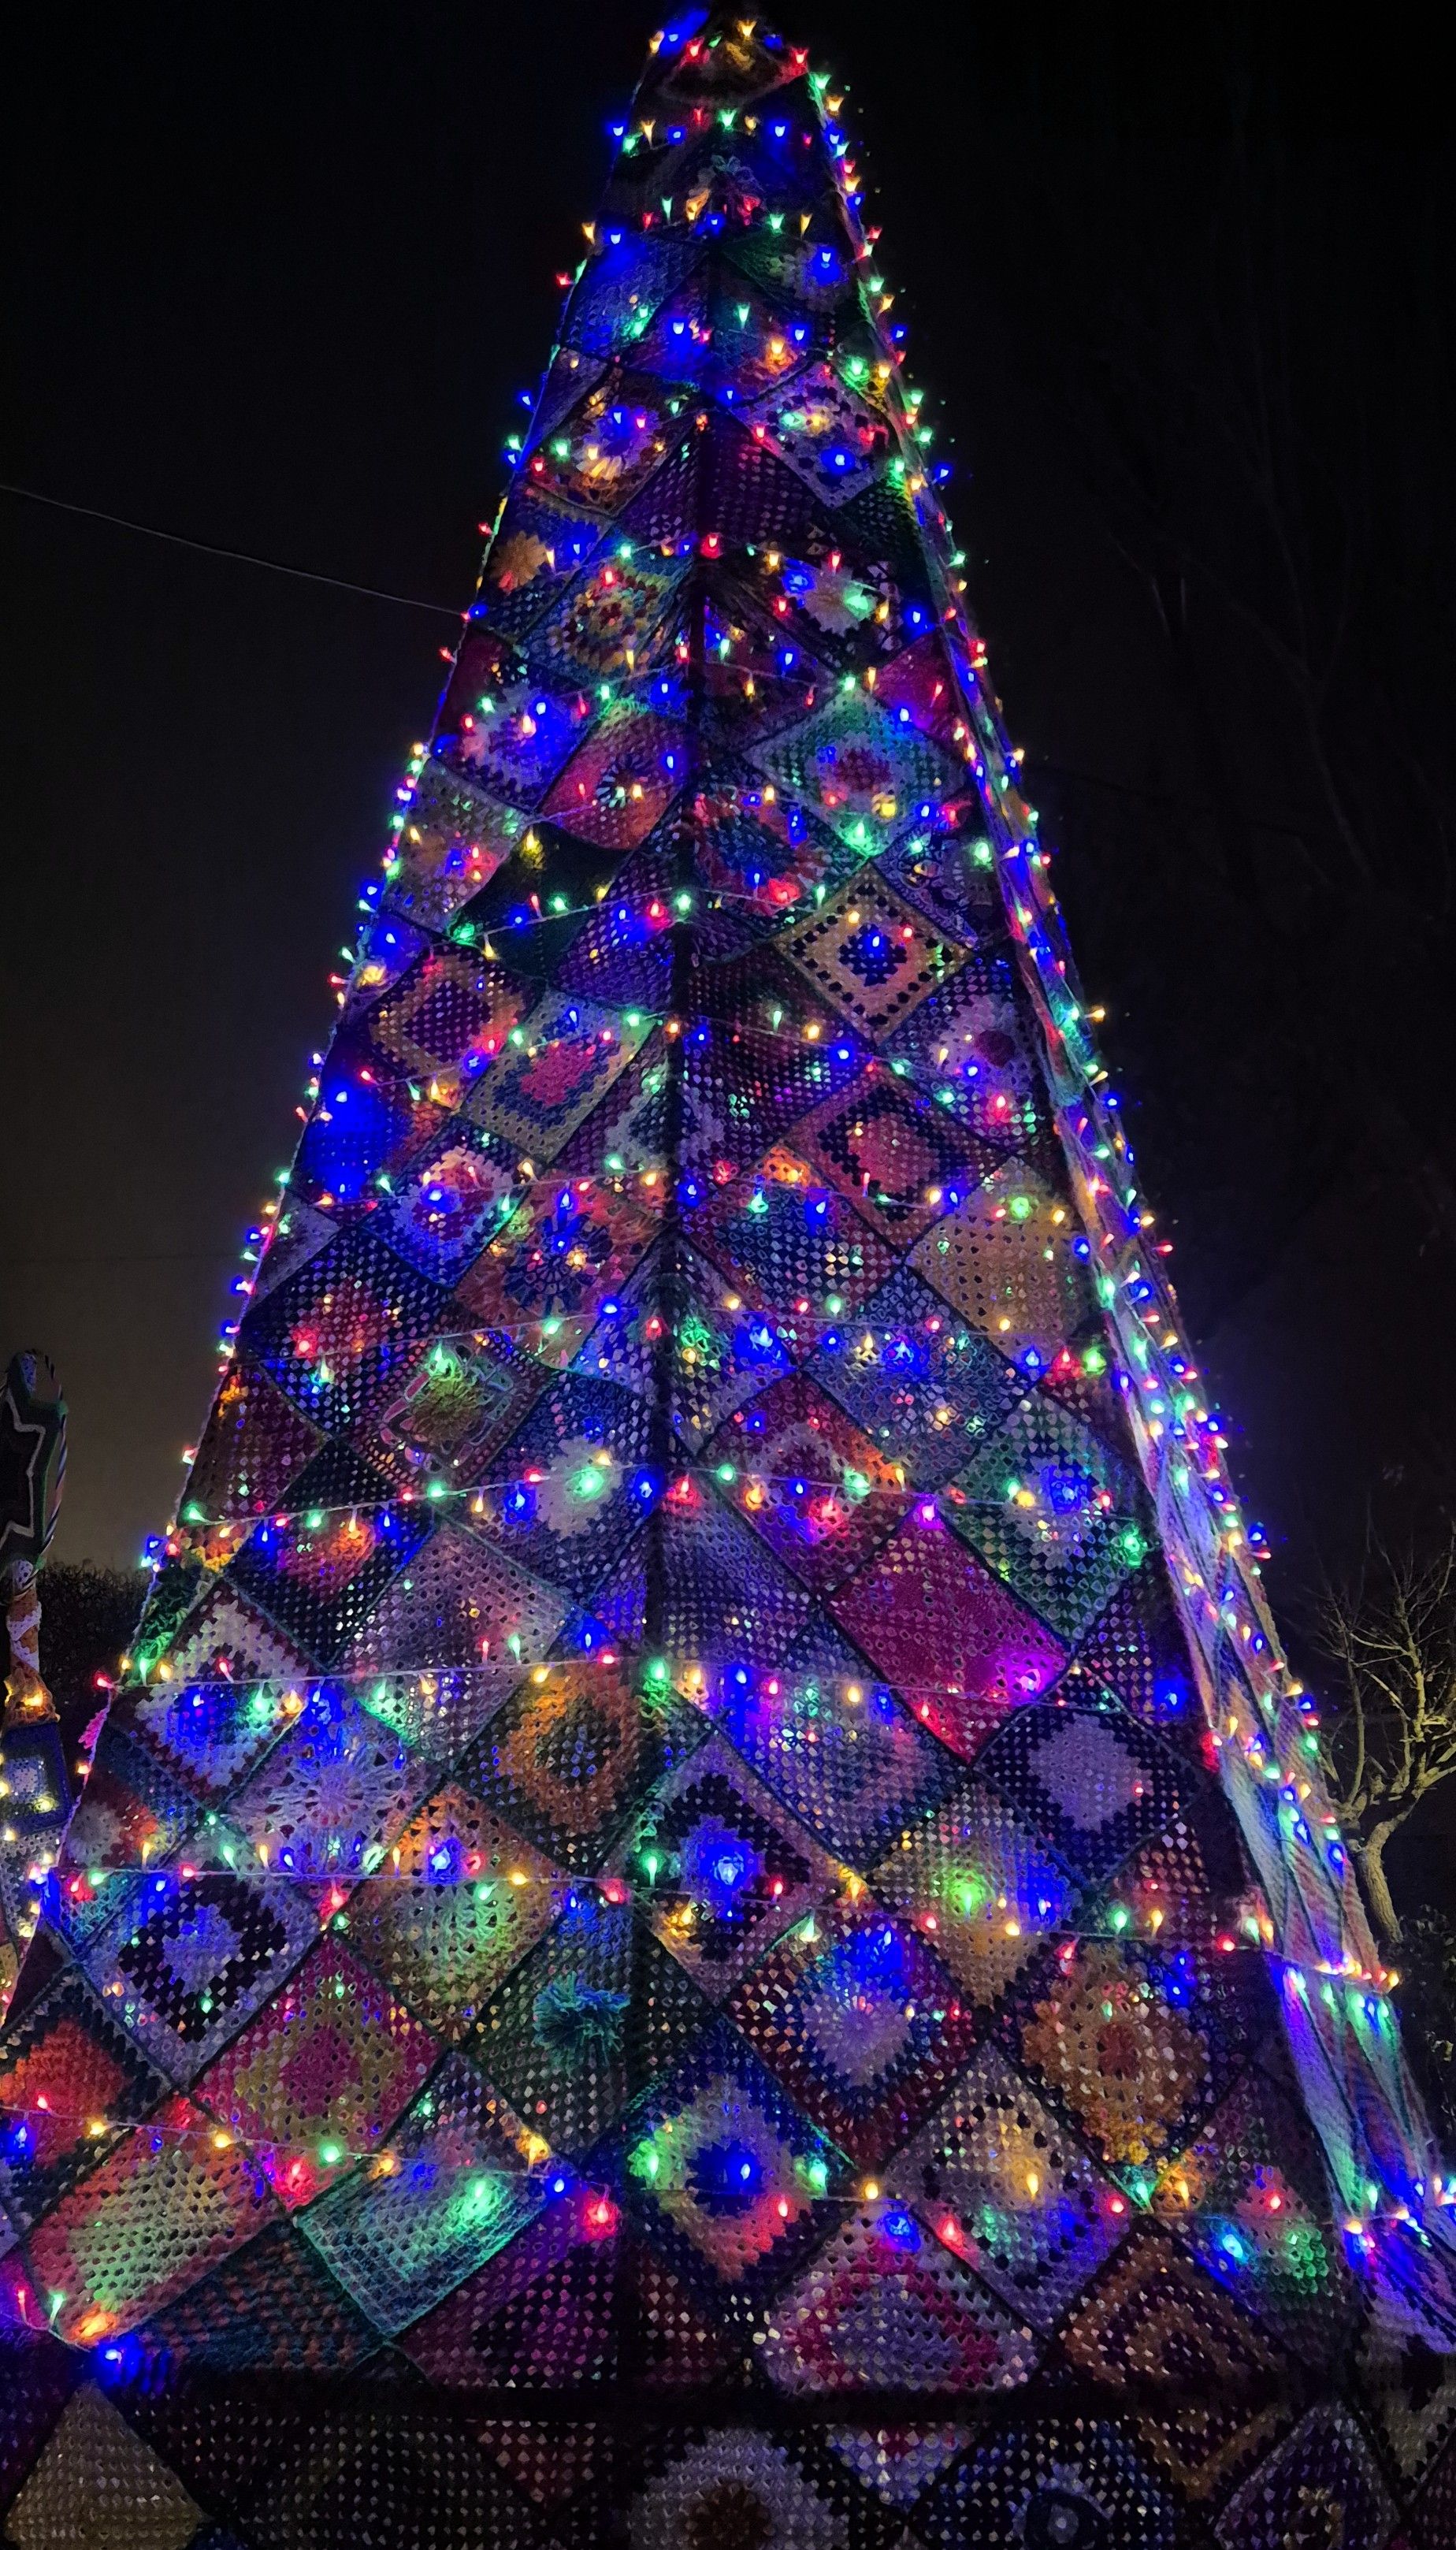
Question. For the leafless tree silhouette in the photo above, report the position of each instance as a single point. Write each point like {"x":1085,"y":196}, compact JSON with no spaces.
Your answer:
{"x":1391,"y":1633}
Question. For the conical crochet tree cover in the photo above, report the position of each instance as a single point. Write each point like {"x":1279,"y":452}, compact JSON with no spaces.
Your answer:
{"x":711,"y":1917}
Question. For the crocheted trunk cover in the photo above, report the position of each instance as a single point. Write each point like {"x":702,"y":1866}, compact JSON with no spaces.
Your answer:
{"x":710,"y":1917}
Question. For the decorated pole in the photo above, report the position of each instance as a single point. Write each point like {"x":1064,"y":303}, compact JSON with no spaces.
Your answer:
{"x":35,"y":1790}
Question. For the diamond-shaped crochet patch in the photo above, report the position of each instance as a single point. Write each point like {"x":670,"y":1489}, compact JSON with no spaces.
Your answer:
{"x":1008,"y":2190}
{"x":98,"y":2481}
{"x":819,"y":1492}
{"x":726,"y":1869}
{"x":452,"y":2184}
{"x":1054,"y":1511}
{"x":928,"y":1388}
{"x":873,"y":955}
{"x":724,"y":2174}
{"x":949,"y":1636}
{"x":459,"y":1900}
{"x":983,"y":1888}
{"x":886,"y":2306}
{"x":317,"y":2079}
{"x":861,"y":2025}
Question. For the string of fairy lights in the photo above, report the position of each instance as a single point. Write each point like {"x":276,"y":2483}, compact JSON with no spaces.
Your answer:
{"x":1262,"y":1716}
{"x":858,"y":1338}
{"x":909,"y":423}
{"x":982,"y":756}
{"x":601,"y":1473}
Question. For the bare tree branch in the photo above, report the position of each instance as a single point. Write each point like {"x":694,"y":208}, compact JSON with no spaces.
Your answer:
{"x":1391,"y":1635}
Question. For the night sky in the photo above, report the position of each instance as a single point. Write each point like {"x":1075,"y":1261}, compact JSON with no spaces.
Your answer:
{"x":280,"y":277}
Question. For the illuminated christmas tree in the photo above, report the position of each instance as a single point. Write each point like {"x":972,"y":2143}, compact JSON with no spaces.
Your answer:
{"x":711,"y":1913}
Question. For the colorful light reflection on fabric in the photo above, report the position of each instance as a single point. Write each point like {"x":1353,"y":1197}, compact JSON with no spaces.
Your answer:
{"x":710,"y":1811}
